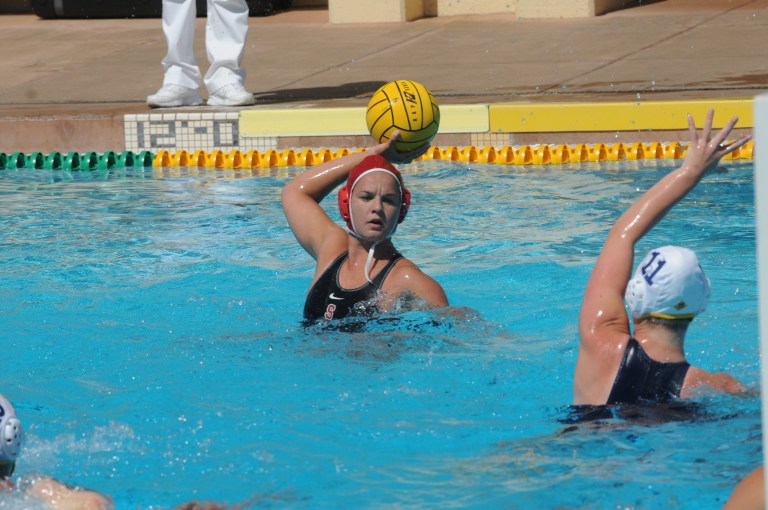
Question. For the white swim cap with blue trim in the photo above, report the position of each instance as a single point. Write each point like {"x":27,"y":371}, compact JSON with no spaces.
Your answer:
{"x":670,"y":284}
{"x":11,"y":434}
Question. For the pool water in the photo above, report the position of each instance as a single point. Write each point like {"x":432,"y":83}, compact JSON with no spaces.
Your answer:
{"x":153,"y":346}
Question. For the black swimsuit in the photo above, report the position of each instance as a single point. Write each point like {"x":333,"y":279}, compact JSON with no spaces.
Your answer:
{"x":642,"y":379}
{"x":328,"y":300}
{"x":645,"y":391}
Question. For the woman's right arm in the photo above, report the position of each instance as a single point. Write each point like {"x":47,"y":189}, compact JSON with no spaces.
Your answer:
{"x":302,"y":196}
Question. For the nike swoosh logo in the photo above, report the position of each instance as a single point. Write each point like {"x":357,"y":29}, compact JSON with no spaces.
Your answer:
{"x":332,"y":296}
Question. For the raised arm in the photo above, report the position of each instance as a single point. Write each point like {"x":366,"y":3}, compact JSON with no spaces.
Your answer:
{"x":602,"y":314}
{"x":302,"y":196}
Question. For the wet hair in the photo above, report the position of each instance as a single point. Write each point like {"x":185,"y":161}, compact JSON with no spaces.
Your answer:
{"x":679,"y":326}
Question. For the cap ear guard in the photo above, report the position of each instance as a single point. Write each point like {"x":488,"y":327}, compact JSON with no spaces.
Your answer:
{"x":343,"y":200}
{"x":11,"y":437}
{"x":11,"y":434}
{"x":634,"y":296}
{"x":405,"y":205}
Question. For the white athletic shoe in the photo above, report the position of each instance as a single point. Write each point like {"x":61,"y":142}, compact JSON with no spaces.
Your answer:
{"x":174,"y":95}
{"x":233,"y":94}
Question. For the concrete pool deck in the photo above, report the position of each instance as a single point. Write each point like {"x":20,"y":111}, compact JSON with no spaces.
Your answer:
{"x":81,"y":85}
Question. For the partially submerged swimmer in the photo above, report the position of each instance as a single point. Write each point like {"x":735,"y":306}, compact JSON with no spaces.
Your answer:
{"x":358,"y":272}
{"x":616,"y":365}
{"x":51,"y":493}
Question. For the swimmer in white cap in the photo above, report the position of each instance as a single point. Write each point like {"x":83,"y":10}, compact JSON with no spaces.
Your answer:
{"x":668,"y":289}
{"x":55,"y":495}
{"x":10,"y":438}
{"x":52,"y":493}
{"x":358,"y":271}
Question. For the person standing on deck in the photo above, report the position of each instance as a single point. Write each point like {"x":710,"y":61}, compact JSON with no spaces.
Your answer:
{"x":226,"y":31}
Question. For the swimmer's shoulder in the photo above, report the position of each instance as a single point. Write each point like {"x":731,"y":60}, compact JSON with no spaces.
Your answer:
{"x":403,"y":273}
{"x":406,"y":277}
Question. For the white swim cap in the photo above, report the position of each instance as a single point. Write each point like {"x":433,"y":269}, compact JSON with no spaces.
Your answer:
{"x":670,"y":284}
{"x":11,"y":434}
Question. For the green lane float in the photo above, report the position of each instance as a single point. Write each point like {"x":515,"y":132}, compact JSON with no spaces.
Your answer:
{"x":73,"y":161}
{"x":17,"y":160}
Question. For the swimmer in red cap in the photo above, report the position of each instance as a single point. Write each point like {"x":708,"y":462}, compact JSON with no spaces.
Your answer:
{"x":615,"y":364}
{"x":359,"y":271}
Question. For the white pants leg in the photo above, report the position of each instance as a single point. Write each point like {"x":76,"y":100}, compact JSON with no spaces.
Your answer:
{"x":226,"y":31}
{"x":180,"y":65}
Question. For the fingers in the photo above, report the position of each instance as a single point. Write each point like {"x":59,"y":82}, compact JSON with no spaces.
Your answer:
{"x":706,"y":149}
{"x":719,"y":140}
{"x":420,"y":151}
{"x":732,"y":146}
{"x":395,"y":156}
{"x":741,"y":141}
{"x":385,"y":146}
{"x":692,"y":128}
{"x":707,"y":131}
{"x":727,"y":129}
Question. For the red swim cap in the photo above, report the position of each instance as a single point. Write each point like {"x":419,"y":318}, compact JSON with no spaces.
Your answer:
{"x":373,"y":163}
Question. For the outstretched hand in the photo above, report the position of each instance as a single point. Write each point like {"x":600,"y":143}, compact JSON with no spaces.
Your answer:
{"x":704,"y":153}
{"x":390,"y":153}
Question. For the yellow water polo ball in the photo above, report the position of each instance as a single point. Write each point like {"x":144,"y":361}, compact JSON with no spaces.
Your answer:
{"x":406,"y":106}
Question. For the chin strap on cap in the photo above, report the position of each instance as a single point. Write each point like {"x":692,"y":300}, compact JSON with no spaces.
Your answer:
{"x":369,"y":262}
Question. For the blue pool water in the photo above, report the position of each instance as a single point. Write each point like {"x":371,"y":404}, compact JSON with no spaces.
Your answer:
{"x":153,"y":349}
